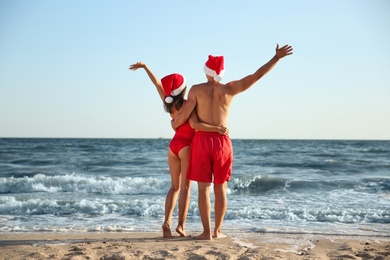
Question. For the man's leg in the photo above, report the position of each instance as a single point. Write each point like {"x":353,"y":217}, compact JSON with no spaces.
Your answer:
{"x":204,"y":209}
{"x":220,"y":208}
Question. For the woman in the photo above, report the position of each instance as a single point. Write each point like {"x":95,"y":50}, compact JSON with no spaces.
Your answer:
{"x":171,"y":89}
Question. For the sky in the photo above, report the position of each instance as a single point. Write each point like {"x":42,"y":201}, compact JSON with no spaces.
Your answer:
{"x":64,"y":66}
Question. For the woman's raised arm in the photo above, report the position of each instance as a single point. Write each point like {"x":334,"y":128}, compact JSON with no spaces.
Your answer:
{"x":152,"y":77}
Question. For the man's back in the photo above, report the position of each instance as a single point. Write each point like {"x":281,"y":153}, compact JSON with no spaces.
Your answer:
{"x":213,"y":102}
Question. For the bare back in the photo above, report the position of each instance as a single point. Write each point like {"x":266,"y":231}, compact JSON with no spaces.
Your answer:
{"x":212,"y":103}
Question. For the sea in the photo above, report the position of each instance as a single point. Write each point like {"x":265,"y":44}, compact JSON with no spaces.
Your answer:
{"x":336,"y":187}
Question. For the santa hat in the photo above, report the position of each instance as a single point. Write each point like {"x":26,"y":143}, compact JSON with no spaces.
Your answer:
{"x":173,"y":85}
{"x":214,"y":67}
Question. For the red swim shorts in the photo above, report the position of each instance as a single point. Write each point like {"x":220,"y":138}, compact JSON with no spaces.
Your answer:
{"x":211,"y":158}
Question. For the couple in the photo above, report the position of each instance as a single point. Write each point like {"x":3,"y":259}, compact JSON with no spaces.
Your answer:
{"x":205,"y":154}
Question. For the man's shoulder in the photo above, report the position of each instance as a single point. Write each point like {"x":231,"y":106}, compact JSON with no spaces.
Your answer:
{"x":198,"y":86}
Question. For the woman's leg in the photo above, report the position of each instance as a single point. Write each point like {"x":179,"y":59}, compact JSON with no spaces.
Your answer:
{"x":184,"y":198}
{"x":170,"y":201}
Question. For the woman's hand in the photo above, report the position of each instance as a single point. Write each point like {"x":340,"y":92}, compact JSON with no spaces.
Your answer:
{"x":137,"y":65}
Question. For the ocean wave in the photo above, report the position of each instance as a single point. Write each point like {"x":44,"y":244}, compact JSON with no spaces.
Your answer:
{"x":256,"y":184}
{"x":263,"y":184}
{"x":84,"y":184}
{"x":153,"y":206}
{"x":10,"y":205}
{"x":329,"y":215}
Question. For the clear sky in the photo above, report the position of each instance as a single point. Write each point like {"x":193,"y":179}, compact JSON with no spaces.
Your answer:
{"x":64,"y":66}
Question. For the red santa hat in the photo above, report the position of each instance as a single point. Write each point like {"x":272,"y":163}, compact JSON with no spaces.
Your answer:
{"x":173,"y":85}
{"x":214,"y":67}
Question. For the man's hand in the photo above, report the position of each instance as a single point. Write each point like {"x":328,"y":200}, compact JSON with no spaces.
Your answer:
{"x":223,"y":130}
{"x":137,"y":65}
{"x":284,"y":51}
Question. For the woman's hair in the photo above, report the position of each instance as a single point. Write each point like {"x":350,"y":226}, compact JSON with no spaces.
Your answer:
{"x":177,"y":102}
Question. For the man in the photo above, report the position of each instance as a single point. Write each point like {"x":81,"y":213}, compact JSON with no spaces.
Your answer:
{"x":211,"y":154}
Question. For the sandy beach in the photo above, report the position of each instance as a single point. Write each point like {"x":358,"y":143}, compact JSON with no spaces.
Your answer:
{"x":121,"y":246}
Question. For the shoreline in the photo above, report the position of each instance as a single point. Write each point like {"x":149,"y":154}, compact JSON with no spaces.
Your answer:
{"x":151,"y":245}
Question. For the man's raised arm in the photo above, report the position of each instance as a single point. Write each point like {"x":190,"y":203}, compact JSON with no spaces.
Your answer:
{"x":246,"y":82}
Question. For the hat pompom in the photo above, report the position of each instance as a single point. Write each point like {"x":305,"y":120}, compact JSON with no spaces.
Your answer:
{"x":169,"y":99}
{"x":217,"y":78}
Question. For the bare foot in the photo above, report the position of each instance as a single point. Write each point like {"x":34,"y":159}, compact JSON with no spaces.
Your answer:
{"x":204,"y":236}
{"x":181,"y":231}
{"x":219,"y":235}
{"x":166,"y":230}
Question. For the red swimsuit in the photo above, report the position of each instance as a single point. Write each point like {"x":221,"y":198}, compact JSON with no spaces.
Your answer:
{"x":182,"y":138}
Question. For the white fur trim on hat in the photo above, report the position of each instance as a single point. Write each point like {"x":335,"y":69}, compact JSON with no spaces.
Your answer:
{"x":177,"y":91}
{"x":213,"y":74}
